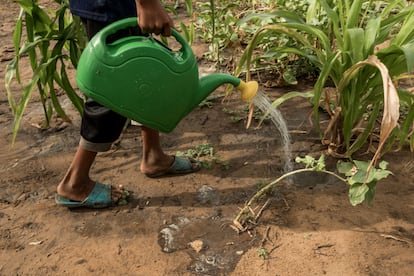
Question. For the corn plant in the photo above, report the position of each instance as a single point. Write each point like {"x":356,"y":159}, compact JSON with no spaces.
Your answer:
{"x":217,"y":25}
{"x":51,"y":39}
{"x":346,"y":52}
{"x":188,"y":30}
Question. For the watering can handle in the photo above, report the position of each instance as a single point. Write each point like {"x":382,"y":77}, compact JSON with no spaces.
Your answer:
{"x":133,"y":22}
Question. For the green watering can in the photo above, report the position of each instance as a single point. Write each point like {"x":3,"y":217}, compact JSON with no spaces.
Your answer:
{"x":143,"y":80}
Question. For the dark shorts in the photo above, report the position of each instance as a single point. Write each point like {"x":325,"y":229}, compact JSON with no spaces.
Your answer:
{"x":103,"y":10}
{"x":101,"y":126}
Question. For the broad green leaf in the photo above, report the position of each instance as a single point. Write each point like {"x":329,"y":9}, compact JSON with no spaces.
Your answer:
{"x":408,"y":50}
{"x":346,"y":168}
{"x":406,"y":32}
{"x":277,"y":16}
{"x":41,"y":21}
{"x":354,"y":44}
{"x":361,"y":176}
{"x":379,"y":174}
{"x":370,"y":37}
{"x":291,"y":95}
{"x":369,"y":195}
{"x":353,"y":15}
{"x":357,"y":193}
{"x":27,"y":5}
{"x":361,"y":165}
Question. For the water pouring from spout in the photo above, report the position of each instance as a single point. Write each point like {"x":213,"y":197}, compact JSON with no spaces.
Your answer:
{"x":264,"y":104}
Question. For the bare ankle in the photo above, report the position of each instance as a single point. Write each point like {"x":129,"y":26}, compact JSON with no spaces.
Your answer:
{"x":75,"y":190}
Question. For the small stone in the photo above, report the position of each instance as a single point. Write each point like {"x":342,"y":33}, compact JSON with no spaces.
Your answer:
{"x":80,"y":261}
{"x":167,"y":240}
{"x":207,"y":194}
{"x":197,"y":245}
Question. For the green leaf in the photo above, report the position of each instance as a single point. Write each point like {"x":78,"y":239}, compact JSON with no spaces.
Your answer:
{"x":354,"y":44}
{"x":10,"y":70}
{"x":380,"y":174}
{"x":408,"y":50}
{"x":369,"y":195}
{"x":26,"y":96}
{"x":184,"y":30}
{"x":330,"y":69}
{"x":336,"y":26}
{"x":189,"y":7}
{"x":26,"y":5}
{"x":271,"y":17}
{"x":320,"y":164}
{"x":361,"y":139}
{"x":17,"y":37}
{"x":361,"y":176}
{"x":353,"y":15}
{"x":370,"y":36}
{"x":56,"y":104}
{"x":70,"y":92}
{"x":357,"y":193}
{"x":291,"y":95}
{"x":346,"y":168}
{"x":406,"y":32}
{"x":289,"y":78}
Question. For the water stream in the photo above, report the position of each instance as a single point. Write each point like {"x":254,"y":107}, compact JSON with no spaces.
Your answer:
{"x":264,"y":104}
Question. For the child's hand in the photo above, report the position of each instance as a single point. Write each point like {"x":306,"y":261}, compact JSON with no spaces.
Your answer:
{"x":153,"y":18}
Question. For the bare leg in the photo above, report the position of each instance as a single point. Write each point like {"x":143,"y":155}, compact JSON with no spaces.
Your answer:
{"x":76,"y":184}
{"x":154,"y":159}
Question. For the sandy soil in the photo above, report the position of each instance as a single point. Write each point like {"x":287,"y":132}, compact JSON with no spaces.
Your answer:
{"x":309,"y":228}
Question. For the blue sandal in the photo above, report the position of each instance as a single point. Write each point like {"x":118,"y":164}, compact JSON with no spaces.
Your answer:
{"x":100,"y":197}
{"x":181,"y":165}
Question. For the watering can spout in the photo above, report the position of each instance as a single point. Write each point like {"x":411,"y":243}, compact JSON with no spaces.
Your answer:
{"x":211,"y":82}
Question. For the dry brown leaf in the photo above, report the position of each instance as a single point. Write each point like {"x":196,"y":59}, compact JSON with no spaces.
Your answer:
{"x":391,"y":106}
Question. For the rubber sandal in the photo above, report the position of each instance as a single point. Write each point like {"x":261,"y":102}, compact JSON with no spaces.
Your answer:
{"x":100,"y":197}
{"x":181,"y":165}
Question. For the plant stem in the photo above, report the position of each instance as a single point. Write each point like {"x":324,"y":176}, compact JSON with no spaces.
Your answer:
{"x":270,"y":185}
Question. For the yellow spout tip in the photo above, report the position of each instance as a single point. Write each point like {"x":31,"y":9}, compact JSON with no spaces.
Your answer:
{"x":248,"y":90}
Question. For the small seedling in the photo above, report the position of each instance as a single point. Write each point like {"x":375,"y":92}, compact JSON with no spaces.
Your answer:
{"x":123,"y":200}
{"x":205,"y":154}
{"x":263,"y":253}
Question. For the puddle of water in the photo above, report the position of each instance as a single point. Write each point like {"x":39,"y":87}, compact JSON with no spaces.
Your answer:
{"x":264,"y":104}
{"x":221,"y":247}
